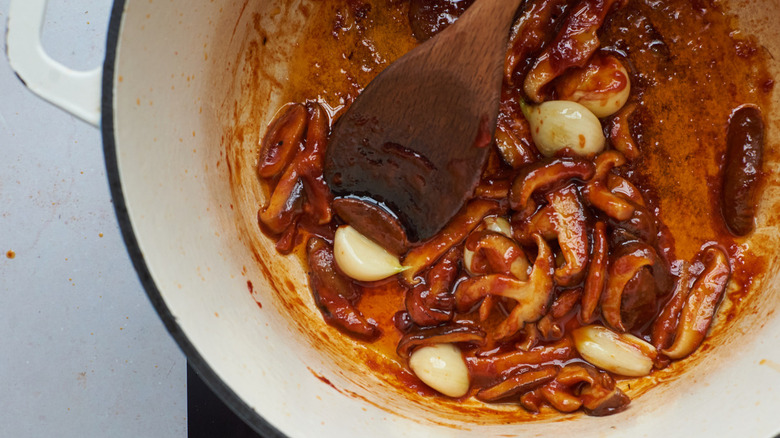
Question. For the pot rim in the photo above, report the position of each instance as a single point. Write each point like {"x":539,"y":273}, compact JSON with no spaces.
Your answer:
{"x":194,"y":358}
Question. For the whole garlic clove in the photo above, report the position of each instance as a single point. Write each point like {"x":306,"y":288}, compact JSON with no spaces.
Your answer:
{"x":560,"y":124}
{"x":441,"y":367}
{"x":622,"y":354}
{"x":361,"y":258}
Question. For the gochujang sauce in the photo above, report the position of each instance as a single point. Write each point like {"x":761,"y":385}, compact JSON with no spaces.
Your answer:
{"x":578,"y":262}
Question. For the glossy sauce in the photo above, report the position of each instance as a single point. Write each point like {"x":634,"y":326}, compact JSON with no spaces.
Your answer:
{"x":680,"y":125}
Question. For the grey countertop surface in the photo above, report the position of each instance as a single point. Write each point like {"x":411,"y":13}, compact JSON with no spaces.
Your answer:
{"x":82,"y":351}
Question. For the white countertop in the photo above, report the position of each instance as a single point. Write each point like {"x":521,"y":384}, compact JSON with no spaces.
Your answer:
{"x":82,"y":351}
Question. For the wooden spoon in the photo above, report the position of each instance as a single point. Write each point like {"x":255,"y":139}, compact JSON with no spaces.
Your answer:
{"x":415,"y":141}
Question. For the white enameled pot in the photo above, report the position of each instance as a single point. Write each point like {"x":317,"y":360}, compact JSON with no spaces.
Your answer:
{"x":182,"y":111}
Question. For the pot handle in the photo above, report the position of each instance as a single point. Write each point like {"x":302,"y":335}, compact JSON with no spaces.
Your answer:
{"x":77,"y":92}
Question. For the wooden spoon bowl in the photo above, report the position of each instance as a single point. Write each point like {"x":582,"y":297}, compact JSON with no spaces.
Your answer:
{"x":415,"y":141}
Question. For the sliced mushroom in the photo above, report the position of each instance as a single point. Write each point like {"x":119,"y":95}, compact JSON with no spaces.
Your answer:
{"x":486,"y":368}
{"x":518,"y":384}
{"x":420,"y":258}
{"x":335,"y":295}
{"x":546,"y":175}
{"x":373,"y":222}
{"x":286,"y":241}
{"x":639,"y":302}
{"x":597,"y":193}
{"x":532,"y":297}
{"x":562,"y":219}
{"x":581,"y":385}
{"x":701,"y":304}
{"x":452,"y":333}
{"x":619,"y":128}
{"x":665,"y":324}
{"x":560,"y":397}
{"x":742,"y":172}
{"x":495,"y":189}
{"x":542,"y":222}
{"x":284,"y":206}
{"x":303,"y":175}
{"x":513,"y":133}
{"x":488,"y":252}
{"x":597,"y":274}
{"x":531,"y":336}
{"x":552,"y":325}
{"x":572,"y":233}
{"x":282,"y":140}
{"x":309,"y":164}
{"x":532,"y":401}
{"x":629,"y":261}
{"x":641,"y":225}
{"x":431,"y":302}
{"x":625,"y":189}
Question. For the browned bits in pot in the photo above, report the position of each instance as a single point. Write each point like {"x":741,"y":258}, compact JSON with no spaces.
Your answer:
{"x":741,"y":176}
{"x":429,"y":17}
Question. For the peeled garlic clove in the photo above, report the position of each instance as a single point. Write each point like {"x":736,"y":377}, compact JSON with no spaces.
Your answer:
{"x":622,"y":354}
{"x":560,"y":124}
{"x":361,"y":258}
{"x":441,"y":367}
{"x":602,"y":86}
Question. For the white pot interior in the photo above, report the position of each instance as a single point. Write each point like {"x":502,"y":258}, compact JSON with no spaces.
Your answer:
{"x":189,"y":110}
